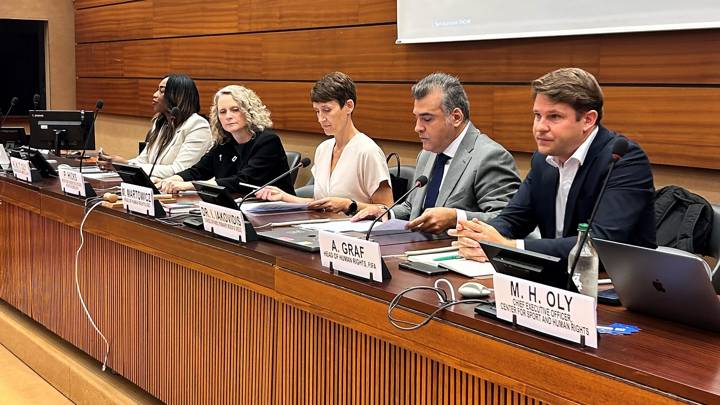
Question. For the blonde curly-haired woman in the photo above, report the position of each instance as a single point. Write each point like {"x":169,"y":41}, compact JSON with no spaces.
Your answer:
{"x":247,"y":149}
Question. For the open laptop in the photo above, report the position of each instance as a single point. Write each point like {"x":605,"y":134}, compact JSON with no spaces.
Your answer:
{"x":663,"y":282}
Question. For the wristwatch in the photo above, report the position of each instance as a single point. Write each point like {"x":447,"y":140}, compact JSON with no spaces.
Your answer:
{"x":352,"y":209}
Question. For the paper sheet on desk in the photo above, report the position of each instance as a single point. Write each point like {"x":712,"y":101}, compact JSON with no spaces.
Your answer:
{"x":267,"y":207}
{"x":391,"y":225}
{"x":338,"y":226}
{"x":469,"y":268}
{"x":100,"y":176}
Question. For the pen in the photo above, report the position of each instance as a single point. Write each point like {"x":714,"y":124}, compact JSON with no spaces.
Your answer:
{"x":443,"y":258}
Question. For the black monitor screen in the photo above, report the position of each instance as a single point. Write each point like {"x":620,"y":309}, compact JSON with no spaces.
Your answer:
{"x":61,"y":129}
{"x":12,"y":137}
{"x":213,"y":194}
{"x":532,"y":266}
{"x":135,"y":175}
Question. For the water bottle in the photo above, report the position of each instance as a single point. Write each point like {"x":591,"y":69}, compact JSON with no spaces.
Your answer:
{"x":585,"y":277}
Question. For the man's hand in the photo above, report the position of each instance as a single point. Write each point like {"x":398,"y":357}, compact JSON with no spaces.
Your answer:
{"x":434,"y":220}
{"x":470,"y":232}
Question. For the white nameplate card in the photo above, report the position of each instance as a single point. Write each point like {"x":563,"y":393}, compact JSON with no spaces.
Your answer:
{"x":72,"y":182}
{"x":137,"y":199}
{"x":358,"y":257}
{"x":223,"y":221}
{"x":21,"y":169}
{"x":546,"y":309}
{"x":4,"y":159}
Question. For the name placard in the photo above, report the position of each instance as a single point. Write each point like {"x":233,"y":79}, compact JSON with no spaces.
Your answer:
{"x":137,"y":199}
{"x":223,"y":221}
{"x":72,"y":182}
{"x":546,"y":309}
{"x":21,"y":169}
{"x":358,"y":257}
{"x":4,"y":159}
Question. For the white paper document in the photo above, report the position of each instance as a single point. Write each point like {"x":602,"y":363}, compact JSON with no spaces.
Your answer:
{"x":338,"y":226}
{"x":451,"y":261}
{"x":391,"y":225}
{"x":277,"y":206}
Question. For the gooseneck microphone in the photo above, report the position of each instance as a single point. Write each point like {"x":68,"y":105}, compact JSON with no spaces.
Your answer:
{"x":419,"y":183}
{"x":36,"y":101}
{"x":174,"y":113}
{"x":12,"y":104}
{"x":620,"y":148}
{"x":303,"y":163}
{"x":98,"y":106}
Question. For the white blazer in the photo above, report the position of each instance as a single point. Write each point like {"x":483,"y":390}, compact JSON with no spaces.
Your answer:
{"x":191,"y":141}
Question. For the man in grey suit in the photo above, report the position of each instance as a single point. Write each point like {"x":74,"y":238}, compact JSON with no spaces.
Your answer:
{"x":470,"y":175}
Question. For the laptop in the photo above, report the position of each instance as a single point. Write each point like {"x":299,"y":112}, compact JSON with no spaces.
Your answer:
{"x":663,"y":282}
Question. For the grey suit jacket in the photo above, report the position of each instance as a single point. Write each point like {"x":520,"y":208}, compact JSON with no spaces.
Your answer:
{"x":481,"y":179}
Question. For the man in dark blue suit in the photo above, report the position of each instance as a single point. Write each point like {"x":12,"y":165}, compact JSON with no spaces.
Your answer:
{"x":566,"y":175}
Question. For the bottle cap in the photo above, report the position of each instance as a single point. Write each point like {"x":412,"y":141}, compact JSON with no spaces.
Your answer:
{"x":582,"y":227}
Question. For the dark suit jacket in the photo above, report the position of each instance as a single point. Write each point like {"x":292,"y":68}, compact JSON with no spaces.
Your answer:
{"x":626,"y":212}
{"x":255,"y":162}
{"x":481,"y":179}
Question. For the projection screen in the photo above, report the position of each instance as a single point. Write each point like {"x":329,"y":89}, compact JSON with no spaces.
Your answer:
{"x":464,"y":20}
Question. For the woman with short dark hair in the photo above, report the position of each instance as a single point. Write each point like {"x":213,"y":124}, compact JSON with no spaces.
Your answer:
{"x":349,"y":169}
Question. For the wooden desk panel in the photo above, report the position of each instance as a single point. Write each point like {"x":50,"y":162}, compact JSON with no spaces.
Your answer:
{"x":188,"y":331}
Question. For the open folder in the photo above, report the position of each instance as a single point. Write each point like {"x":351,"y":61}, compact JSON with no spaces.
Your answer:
{"x":451,"y":261}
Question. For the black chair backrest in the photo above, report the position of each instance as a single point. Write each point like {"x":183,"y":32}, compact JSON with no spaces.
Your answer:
{"x":293,"y":159}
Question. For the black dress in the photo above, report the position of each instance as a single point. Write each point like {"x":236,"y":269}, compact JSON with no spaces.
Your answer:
{"x":257,"y":161}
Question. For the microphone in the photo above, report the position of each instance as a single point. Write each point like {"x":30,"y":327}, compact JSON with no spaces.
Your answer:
{"x":36,"y":101}
{"x":620,"y":148}
{"x":419,"y":183}
{"x":98,"y":106}
{"x":174,"y":113}
{"x":303,"y":163}
{"x":12,"y":104}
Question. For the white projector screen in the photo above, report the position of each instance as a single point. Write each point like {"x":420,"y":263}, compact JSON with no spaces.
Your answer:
{"x":465,"y":20}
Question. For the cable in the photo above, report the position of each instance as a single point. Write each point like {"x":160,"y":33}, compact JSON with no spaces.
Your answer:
{"x":444,"y":304}
{"x":77,"y":281}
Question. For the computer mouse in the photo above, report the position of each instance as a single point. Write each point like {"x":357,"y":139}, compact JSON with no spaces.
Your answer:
{"x":64,"y":166}
{"x":472,"y":289}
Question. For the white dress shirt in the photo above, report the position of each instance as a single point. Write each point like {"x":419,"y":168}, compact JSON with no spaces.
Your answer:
{"x":567,"y":170}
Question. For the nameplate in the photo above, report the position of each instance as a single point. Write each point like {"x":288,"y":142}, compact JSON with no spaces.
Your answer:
{"x":137,"y":199}
{"x":357,"y":257}
{"x":21,"y":169}
{"x":4,"y":159}
{"x":223,"y":221}
{"x":549,"y":310}
{"x":72,"y":182}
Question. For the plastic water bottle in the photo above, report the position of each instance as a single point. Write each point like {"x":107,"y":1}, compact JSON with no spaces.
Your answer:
{"x":585,"y":277}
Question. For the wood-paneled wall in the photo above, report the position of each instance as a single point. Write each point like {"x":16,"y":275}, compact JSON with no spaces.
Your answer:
{"x":662,"y":89}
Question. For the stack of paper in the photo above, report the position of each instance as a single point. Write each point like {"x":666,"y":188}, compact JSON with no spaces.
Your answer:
{"x":278,"y":206}
{"x":451,"y":261}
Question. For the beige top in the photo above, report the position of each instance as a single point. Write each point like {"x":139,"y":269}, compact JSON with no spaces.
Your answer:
{"x":191,"y":141}
{"x":358,"y":173}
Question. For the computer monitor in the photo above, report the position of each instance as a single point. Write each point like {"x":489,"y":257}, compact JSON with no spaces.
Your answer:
{"x":532,"y":266}
{"x":37,"y":159}
{"x":213,"y":194}
{"x":135,"y":175}
{"x":56,"y":129}
{"x":12,"y":137}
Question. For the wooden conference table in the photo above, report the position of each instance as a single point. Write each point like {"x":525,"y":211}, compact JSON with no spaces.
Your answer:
{"x":194,"y":319}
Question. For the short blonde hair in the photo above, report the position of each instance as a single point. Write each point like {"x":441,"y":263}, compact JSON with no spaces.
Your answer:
{"x":256,"y":114}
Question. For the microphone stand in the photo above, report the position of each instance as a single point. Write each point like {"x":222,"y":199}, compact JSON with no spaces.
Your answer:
{"x":619,"y":150}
